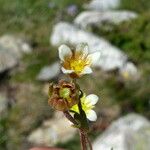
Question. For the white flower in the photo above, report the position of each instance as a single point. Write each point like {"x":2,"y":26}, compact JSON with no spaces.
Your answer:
{"x":77,"y":62}
{"x":88,"y":103}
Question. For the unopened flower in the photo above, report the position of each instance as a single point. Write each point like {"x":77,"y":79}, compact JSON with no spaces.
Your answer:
{"x":77,"y":62}
{"x":63,"y":96}
{"x":88,"y":103}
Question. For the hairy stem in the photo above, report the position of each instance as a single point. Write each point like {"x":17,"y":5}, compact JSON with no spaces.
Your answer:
{"x":82,"y":140}
{"x":70,"y":118}
{"x":79,"y":104}
{"x":85,"y":140}
{"x":89,"y":142}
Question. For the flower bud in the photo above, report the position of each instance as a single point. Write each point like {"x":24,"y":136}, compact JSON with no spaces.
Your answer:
{"x":63,"y":96}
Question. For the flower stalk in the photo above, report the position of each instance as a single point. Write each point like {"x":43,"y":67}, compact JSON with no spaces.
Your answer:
{"x":70,"y":118}
{"x":82,"y":140}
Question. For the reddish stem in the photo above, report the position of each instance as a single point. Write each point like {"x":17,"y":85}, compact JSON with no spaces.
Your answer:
{"x":85,"y":140}
{"x":70,"y":118}
{"x":82,"y":140}
{"x":90,"y":145}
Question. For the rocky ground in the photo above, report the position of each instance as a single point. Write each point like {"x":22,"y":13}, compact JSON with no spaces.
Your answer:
{"x":30,"y":33}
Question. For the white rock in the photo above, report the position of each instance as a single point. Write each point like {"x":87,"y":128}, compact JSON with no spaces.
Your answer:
{"x":88,"y":18}
{"x":131,"y":132}
{"x":52,"y":131}
{"x":16,"y":45}
{"x":111,"y":56}
{"x":129,"y":71}
{"x":11,"y":50}
{"x":103,"y":4}
{"x":7,"y":59}
{"x":49,"y":72}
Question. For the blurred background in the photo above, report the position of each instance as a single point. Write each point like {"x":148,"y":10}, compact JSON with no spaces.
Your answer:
{"x":30,"y":33}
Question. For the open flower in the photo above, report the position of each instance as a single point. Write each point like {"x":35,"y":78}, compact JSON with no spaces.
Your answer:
{"x":88,"y":103}
{"x":63,"y":96}
{"x":77,"y":62}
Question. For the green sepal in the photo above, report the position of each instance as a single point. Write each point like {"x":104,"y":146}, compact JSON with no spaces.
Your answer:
{"x":82,"y":120}
{"x":77,"y":118}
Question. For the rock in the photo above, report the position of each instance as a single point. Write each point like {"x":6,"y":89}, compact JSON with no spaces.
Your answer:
{"x":49,"y":72}
{"x":7,"y":59}
{"x":103,"y":5}
{"x":54,"y":130}
{"x":30,"y":109}
{"x":111,"y":56}
{"x":130,"y":71}
{"x":11,"y":50}
{"x":131,"y":132}
{"x":89,"y":18}
{"x":16,"y":45}
{"x":3,"y":103}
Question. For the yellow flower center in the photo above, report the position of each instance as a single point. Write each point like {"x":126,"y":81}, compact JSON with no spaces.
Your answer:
{"x":77,"y":65}
{"x":77,"y":62}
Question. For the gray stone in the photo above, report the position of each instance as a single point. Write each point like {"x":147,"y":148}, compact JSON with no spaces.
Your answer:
{"x":131,"y":132}
{"x":7,"y":59}
{"x":111,"y":56}
{"x":49,"y":72}
{"x":11,"y":50}
{"x":89,"y":18}
{"x":54,"y":130}
{"x":102,"y":5}
{"x":17,"y":45}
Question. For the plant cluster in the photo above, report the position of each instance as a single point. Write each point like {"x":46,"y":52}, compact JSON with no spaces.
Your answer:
{"x":68,"y":97}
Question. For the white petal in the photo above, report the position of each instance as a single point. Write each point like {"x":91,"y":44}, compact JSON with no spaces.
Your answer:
{"x":94,"y":57}
{"x":64,"y":51}
{"x":65,"y":71}
{"x":92,"y":98}
{"x":92,"y":115}
{"x":82,"y":47}
{"x":86,"y":70}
